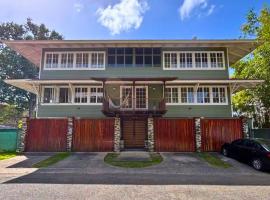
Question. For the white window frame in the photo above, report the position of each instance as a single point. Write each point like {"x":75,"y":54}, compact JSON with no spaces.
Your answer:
{"x":89,"y":67}
{"x":195,"y":95}
{"x":178,"y":95}
{"x":72,"y":93}
{"x":146,"y":96}
{"x":89,"y":92}
{"x":121,"y":95}
{"x":54,"y":95}
{"x":193,"y":60}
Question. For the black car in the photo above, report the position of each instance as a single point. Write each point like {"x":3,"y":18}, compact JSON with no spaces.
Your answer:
{"x":253,"y":151}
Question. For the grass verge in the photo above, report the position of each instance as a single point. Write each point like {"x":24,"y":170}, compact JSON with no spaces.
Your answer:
{"x":7,"y":155}
{"x":111,"y":159}
{"x":52,"y":160}
{"x":214,"y":160}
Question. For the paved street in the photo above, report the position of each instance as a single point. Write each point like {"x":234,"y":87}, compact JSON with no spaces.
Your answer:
{"x":84,"y":175}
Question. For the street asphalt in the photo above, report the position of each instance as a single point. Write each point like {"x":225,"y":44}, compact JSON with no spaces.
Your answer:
{"x":86,"y":176}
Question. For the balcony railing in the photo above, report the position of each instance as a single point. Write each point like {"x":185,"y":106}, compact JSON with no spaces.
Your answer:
{"x":133,"y":106}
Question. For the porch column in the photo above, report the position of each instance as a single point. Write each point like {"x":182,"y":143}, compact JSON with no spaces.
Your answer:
{"x":70,"y":134}
{"x":22,"y":134}
{"x":117,"y":134}
{"x":151,"y":141}
{"x":198,"y":136}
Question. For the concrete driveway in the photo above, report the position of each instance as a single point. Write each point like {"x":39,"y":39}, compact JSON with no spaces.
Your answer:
{"x":177,"y":168}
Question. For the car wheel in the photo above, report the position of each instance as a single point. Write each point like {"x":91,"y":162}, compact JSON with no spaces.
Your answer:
{"x":225,"y":152}
{"x":257,"y":164}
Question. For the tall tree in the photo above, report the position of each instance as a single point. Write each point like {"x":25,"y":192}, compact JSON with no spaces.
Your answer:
{"x":255,"y":102}
{"x":14,"y":66}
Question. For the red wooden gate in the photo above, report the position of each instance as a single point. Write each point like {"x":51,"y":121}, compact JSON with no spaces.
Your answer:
{"x":46,"y":135}
{"x":174,"y":135}
{"x":215,"y":132}
{"x":93,"y":135}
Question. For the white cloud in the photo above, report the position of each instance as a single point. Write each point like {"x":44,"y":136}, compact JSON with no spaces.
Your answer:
{"x":188,"y":6}
{"x":78,"y":7}
{"x":123,"y":16}
{"x":211,"y":10}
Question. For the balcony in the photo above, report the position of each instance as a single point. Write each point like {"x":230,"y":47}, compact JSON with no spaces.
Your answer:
{"x":155,"y":107}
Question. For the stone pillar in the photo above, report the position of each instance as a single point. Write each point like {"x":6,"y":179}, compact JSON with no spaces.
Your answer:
{"x":69,"y":134}
{"x":198,"y":135}
{"x":245,"y":127}
{"x":117,"y":134}
{"x":151,"y":140}
{"x":22,"y":134}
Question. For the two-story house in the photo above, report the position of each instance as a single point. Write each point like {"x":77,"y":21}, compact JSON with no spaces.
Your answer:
{"x":134,"y":79}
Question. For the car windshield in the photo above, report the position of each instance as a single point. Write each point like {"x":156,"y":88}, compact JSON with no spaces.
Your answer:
{"x":265,"y":144}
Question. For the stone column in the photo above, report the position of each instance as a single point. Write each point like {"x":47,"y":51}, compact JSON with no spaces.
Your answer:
{"x":69,"y":134}
{"x":117,"y":134}
{"x":151,"y":141}
{"x":245,"y":127}
{"x":198,"y":135}
{"x":21,"y":135}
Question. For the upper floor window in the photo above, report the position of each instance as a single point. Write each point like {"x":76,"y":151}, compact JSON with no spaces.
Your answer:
{"x":52,"y":60}
{"x":75,"y":60}
{"x":120,"y":56}
{"x":147,"y":56}
{"x":177,"y":60}
{"x":171,"y":94}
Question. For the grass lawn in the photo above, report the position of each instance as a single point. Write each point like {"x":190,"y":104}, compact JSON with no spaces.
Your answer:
{"x":111,"y":159}
{"x":52,"y":160}
{"x":7,"y":155}
{"x":213,"y":160}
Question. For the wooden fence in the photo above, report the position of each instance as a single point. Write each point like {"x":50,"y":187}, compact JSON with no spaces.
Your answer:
{"x":93,"y":135}
{"x":215,"y":132}
{"x":46,"y":135}
{"x":174,"y":135}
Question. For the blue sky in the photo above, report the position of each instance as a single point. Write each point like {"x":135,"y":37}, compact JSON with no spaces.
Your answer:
{"x":134,"y":19}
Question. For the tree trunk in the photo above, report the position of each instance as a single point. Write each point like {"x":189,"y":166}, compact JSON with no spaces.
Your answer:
{"x":31,"y":105}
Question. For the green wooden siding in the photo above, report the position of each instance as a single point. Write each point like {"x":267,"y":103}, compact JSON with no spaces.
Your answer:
{"x":114,"y":72}
{"x":8,"y":139}
{"x":155,"y":92}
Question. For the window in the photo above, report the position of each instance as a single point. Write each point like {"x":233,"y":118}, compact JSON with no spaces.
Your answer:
{"x":187,"y":95}
{"x":201,"y":60}
{"x":171,"y":95}
{"x":64,"y":95}
{"x":216,"y":60}
{"x":75,"y":60}
{"x":97,"y":60}
{"x":82,"y":60}
{"x":170,"y":60}
{"x":96,"y":95}
{"x":66,"y":60}
{"x":203,"y":95}
{"x":80,"y":95}
{"x":219,"y":95}
{"x":147,"y":56}
{"x":51,"y":60}
{"x":120,"y":57}
{"x":49,"y":95}
{"x":193,"y":60}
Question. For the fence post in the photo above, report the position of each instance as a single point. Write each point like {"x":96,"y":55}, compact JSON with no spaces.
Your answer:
{"x":198,"y":136}
{"x":117,"y":134}
{"x":21,"y":139}
{"x":151,"y":141}
{"x":70,"y":133}
{"x":245,"y":127}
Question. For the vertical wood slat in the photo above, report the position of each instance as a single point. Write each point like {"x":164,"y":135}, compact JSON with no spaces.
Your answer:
{"x":216,"y":132}
{"x":174,"y":135}
{"x":93,"y":135}
{"x":46,"y":135}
